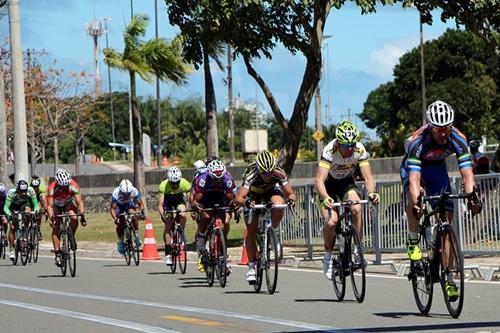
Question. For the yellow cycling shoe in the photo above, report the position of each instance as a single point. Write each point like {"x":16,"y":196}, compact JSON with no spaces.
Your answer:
{"x":201,"y":267}
{"x":452,"y":291}
{"x":414,"y":252}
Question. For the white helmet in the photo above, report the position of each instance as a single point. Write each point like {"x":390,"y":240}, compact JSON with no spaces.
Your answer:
{"x":216,"y":168}
{"x":126,"y":186}
{"x":63,"y":178}
{"x":198,"y":165}
{"x":440,"y":114}
{"x":2,"y":187}
{"x":174,"y":175}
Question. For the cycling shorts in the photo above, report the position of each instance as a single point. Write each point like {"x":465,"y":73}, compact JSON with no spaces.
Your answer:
{"x":339,"y":189}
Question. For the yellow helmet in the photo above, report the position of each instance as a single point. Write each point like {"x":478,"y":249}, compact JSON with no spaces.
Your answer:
{"x":346,"y":132}
{"x":266,"y":161}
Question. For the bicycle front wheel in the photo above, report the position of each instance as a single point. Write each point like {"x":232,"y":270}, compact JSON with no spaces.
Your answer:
{"x":452,"y":271}
{"x":210,"y":260}
{"x":357,"y":267}
{"x":272,"y":261}
{"x":35,"y":243}
{"x":71,"y":254}
{"x":181,"y":250}
{"x":25,"y":247}
{"x":421,"y":279}
{"x":64,"y":252}
{"x":134,"y":244}
{"x":2,"y":243}
{"x":127,"y":238}
{"x":338,"y":269}
{"x":220,"y":257}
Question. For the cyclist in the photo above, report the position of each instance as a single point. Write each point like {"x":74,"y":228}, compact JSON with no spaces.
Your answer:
{"x":63,"y":196}
{"x":424,"y":166}
{"x":3,"y":218}
{"x":41,"y":195}
{"x":126,"y":199}
{"x":480,"y":162}
{"x":334,"y":181}
{"x":212,"y":187}
{"x":173,"y":191}
{"x":22,"y":198}
{"x":263,"y":181}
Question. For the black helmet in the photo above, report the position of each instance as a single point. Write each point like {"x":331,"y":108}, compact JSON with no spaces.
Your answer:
{"x":35,"y":181}
{"x":22,"y":186}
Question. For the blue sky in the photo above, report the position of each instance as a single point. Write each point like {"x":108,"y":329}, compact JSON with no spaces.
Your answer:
{"x":358,"y":57}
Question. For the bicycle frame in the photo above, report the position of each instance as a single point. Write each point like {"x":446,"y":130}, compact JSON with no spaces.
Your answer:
{"x":67,"y":243}
{"x":178,"y":246}
{"x":130,"y":237}
{"x":21,"y":244}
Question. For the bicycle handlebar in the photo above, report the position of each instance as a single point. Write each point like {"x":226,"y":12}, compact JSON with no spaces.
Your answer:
{"x":446,"y":195}
{"x":270,"y":206}
{"x":127,"y":213}
{"x":349,"y":203}
{"x":69,"y":215}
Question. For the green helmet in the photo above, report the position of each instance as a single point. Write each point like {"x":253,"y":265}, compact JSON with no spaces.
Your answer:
{"x":346,"y":132}
{"x":265,"y":161}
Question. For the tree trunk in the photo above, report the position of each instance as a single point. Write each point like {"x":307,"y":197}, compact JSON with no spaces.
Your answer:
{"x":56,"y":153}
{"x":137,"y":137}
{"x":3,"y":131}
{"x":77,"y":152}
{"x":210,"y":109}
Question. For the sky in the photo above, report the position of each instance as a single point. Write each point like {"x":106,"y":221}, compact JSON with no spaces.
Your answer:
{"x":358,"y":56}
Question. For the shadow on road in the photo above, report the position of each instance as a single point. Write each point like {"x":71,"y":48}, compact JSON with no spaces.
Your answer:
{"x":50,"y":276}
{"x":430,"y":327}
{"x":116,"y":265}
{"x":398,"y":315}
{"x":248,"y":292}
{"x":328,"y":300}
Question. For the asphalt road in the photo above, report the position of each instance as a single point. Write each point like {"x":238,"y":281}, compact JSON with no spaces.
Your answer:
{"x":108,"y":296}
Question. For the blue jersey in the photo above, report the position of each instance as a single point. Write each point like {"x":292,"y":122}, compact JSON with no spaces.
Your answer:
{"x":125,"y":201}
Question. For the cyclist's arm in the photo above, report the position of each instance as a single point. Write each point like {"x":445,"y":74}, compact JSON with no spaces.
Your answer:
{"x":34,"y":200}
{"x":112,"y":210}
{"x":50,"y":206}
{"x":366,"y":172}
{"x":468,"y":179}
{"x":241,"y":196}
{"x":319,"y":180}
{"x":414,"y":190}
{"x":79,"y":202}
{"x":290,"y":194}
{"x":6,"y":206}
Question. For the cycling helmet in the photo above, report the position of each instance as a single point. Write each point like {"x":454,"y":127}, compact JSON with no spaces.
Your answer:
{"x":126,"y":186}
{"x":346,"y":132}
{"x":63,"y":178}
{"x":2,"y":187}
{"x":265,"y":161}
{"x":216,"y":168}
{"x":22,"y":186}
{"x":35,"y":181}
{"x":440,"y":114}
{"x":174,"y":175}
{"x":199,"y":165}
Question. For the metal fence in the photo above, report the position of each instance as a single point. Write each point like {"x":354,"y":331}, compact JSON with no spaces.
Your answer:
{"x":385,"y":225}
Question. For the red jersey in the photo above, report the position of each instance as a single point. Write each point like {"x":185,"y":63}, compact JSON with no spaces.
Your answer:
{"x":62,"y":195}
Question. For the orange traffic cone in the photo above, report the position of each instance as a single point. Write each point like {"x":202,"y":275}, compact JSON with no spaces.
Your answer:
{"x":150,"y":250}
{"x":244,"y":256}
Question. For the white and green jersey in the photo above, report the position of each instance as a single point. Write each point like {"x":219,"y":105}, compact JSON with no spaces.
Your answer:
{"x":340,"y":167}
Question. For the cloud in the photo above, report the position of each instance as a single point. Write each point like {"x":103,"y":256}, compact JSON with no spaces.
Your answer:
{"x":385,"y":58}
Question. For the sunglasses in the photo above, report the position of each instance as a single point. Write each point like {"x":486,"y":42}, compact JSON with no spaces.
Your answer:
{"x":266,"y":174}
{"x":441,"y":130}
{"x":348,"y":145}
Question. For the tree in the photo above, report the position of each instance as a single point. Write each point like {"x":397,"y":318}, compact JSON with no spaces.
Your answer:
{"x":459,"y":70}
{"x":146,"y":58}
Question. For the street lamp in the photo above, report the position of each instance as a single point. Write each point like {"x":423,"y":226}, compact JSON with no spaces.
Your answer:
{"x":317,"y":110}
{"x":106,"y":19}
{"x":422,"y":70}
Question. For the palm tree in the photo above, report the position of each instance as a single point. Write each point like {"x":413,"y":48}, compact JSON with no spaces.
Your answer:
{"x":146,"y":58}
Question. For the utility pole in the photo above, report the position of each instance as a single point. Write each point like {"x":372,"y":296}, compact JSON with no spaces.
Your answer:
{"x":158,"y":111}
{"x":130,"y":95}
{"x":422,"y":71}
{"x":3,"y":128}
{"x":30,"y":112}
{"x":94,"y":29}
{"x":230,"y":101}
{"x":319,"y":125}
{"x":18,"y":103}
{"x":106,"y":19}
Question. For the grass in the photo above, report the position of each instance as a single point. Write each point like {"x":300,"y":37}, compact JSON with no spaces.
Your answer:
{"x":100,"y":228}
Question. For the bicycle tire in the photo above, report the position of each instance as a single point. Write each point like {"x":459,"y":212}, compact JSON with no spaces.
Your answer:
{"x":338,"y":271}
{"x":173,"y":254}
{"x":220,"y":257}
{"x":135,"y":248}
{"x":64,"y":250}
{"x":25,"y":249}
{"x":71,"y":253}
{"x":457,"y":271}
{"x":259,"y":273}
{"x":36,"y":245}
{"x":127,"y":237}
{"x":2,"y":244}
{"x":358,"y":274}
{"x":16,"y":250}
{"x":31,"y":244}
{"x":421,"y":279}
{"x":272,"y":261}
{"x":181,"y":248}
{"x":209,"y":260}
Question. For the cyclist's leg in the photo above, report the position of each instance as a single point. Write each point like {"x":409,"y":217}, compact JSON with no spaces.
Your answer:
{"x":351,"y":191}
{"x":182,"y":215}
{"x":277,"y":197}
{"x":72,"y":210}
{"x":12,"y":235}
{"x":251,"y":223}
{"x":56,"y":240}
{"x":413,"y":248}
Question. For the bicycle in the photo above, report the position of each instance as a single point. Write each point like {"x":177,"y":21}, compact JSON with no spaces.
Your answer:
{"x":267,"y":258}
{"x":3,"y":238}
{"x":178,"y":245}
{"x":21,"y":243}
{"x":33,"y":240}
{"x":214,"y":258}
{"x":441,"y":261}
{"x":131,"y":238}
{"x":348,"y":259}
{"x":68,"y":244}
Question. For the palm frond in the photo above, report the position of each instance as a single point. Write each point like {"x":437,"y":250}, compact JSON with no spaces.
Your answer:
{"x":166,"y":60}
{"x":113,"y":59}
{"x":134,"y":30}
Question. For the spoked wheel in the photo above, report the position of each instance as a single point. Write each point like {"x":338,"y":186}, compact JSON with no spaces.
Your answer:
{"x":25,"y":247}
{"x":259,"y":272}
{"x":209,"y":260}
{"x":135,"y":247}
{"x":2,"y":244}
{"x":127,"y":237}
{"x":71,"y":253}
{"x":220,"y":257}
{"x":338,"y":276}
{"x":17,"y":247}
{"x":35,"y":245}
{"x":181,"y":249}
{"x":272,"y":261}
{"x":452,"y":272}
{"x":421,"y":279}
{"x":64,"y":252}
{"x":173,"y":252}
{"x":30,"y":244}
{"x":357,"y":267}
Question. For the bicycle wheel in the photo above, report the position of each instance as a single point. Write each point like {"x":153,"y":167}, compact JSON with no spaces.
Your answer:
{"x":421,"y":279}
{"x":17,"y":247}
{"x":135,"y":248}
{"x":25,"y":248}
{"x":64,"y":252}
{"x":209,"y":260}
{"x":30,"y":243}
{"x":452,"y":270}
{"x":221,"y":257}
{"x":36,"y":245}
{"x":272,"y":261}
{"x":71,"y":253}
{"x":259,"y":272}
{"x":338,"y":275}
{"x":2,"y":244}
{"x":181,"y":249}
{"x":127,"y":238}
{"x":358,"y":278}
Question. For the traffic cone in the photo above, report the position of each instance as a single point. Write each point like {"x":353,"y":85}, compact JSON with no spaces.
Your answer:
{"x":150,"y":249}
{"x":244,"y":256}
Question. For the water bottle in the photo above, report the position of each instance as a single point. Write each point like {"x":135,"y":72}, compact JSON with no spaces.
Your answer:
{"x":430,"y":236}
{"x":341,"y":243}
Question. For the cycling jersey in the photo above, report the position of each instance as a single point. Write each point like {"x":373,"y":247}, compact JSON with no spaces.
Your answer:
{"x":15,"y":202}
{"x":254,"y":183}
{"x":63,"y":195}
{"x":3,"y":198}
{"x":125,"y":201}
{"x":214,"y":190}
{"x":41,"y":191}
{"x":339,"y":166}
{"x":172,"y":197}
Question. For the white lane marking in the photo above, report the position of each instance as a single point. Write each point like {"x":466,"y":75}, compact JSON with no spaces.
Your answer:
{"x":265,"y":319}
{"x":89,"y":317}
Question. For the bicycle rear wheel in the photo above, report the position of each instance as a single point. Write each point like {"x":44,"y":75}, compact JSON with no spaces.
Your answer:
{"x":452,"y":270}
{"x":421,"y":279}
{"x":135,"y":247}
{"x":181,"y":249}
{"x":127,"y":237}
{"x":64,"y":252}
{"x":272,"y":261}
{"x":358,"y":278}
{"x":71,"y":254}
{"x":220,"y":257}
